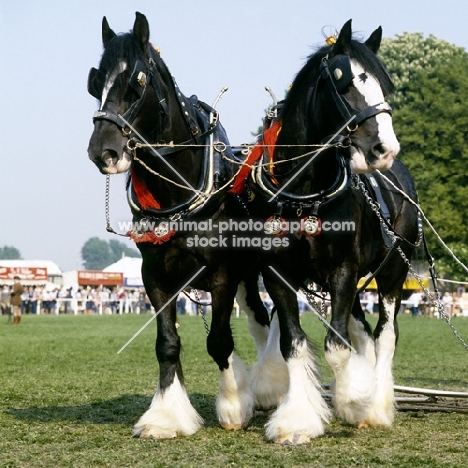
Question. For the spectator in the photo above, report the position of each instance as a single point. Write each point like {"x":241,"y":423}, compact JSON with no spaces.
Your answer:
{"x":415,"y":300}
{"x":447,"y":300}
{"x":181,"y":304}
{"x":16,"y":301}
{"x":370,"y":304}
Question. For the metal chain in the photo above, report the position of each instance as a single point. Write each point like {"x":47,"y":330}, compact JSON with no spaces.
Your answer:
{"x":109,"y":228}
{"x":376,"y":209}
{"x":200,"y":310}
{"x":319,"y":308}
{"x":436,"y":302}
{"x":426,"y":220}
{"x":107,"y":210}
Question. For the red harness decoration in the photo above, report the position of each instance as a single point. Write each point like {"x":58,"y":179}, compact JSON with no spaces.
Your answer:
{"x":150,"y":236}
{"x":270,"y":135}
{"x":146,"y":200}
{"x":144,"y":196}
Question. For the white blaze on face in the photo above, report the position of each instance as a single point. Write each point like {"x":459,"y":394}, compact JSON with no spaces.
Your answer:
{"x":110,"y":80}
{"x":368,"y":86}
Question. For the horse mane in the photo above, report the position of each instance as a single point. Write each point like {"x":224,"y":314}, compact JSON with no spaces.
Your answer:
{"x":296,"y":103}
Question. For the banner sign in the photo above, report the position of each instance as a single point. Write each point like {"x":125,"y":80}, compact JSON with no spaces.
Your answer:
{"x":24,"y":273}
{"x":97,"y":278}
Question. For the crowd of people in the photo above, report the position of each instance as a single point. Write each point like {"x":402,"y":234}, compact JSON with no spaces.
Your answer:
{"x":82,"y":300}
{"x":18,"y":300}
{"x":417,"y":304}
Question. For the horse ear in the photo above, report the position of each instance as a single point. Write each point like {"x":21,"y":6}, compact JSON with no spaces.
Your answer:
{"x":141,"y":30}
{"x":344,"y":39}
{"x":374,"y":40}
{"x":107,"y":33}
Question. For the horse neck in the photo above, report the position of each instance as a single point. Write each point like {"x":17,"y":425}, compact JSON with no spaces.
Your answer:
{"x":298,"y":142}
{"x":163,"y":176}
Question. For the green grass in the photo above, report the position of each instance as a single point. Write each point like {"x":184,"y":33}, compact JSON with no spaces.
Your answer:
{"x":68,"y":399}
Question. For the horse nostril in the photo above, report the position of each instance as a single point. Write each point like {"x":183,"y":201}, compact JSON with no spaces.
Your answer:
{"x":109,"y":157}
{"x":379,"y":149}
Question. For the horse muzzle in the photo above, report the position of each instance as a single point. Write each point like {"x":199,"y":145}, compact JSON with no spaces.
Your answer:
{"x":378,"y":157}
{"x":109,"y":160}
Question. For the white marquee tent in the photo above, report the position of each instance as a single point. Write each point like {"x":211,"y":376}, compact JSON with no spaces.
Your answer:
{"x":131,"y":269}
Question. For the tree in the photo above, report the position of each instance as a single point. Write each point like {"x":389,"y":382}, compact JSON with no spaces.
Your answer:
{"x":98,"y":254}
{"x":431,"y":121}
{"x":410,"y":53}
{"x":9,"y":253}
{"x":119,"y":250}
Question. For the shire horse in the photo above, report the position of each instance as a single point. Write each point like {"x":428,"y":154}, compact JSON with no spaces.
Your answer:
{"x":337,"y":101}
{"x":179,"y":180}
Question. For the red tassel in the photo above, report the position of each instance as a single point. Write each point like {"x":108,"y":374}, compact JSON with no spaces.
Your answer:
{"x":144,"y":196}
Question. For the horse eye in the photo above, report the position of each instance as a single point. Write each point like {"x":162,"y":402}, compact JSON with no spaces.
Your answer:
{"x":363,"y":77}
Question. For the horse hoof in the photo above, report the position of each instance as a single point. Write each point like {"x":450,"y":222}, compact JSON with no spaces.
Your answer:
{"x":235,"y":426}
{"x":294,"y":439}
{"x":154,"y":433}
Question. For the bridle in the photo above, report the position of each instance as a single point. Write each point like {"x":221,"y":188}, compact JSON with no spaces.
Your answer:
{"x":140,"y":79}
{"x":202,"y":124}
{"x":337,"y":75}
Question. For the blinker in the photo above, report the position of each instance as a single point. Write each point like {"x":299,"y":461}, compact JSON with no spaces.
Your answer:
{"x":340,"y":70}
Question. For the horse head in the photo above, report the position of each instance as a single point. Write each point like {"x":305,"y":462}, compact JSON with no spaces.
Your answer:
{"x":373,"y":141}
{"x":339,"y":97}
{"x":126,"y":84}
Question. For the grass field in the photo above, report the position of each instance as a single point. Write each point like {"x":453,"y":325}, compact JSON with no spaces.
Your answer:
{"x":68,"y":400}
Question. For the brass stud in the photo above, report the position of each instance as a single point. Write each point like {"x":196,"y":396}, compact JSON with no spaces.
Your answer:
{"x":338,"y":74}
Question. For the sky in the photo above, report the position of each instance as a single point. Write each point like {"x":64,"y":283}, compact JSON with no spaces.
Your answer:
{"x":51,"y":195}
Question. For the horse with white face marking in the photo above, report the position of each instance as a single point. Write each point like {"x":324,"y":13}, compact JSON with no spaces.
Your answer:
{"x":185,"y":179}
{"x":333,"y":126}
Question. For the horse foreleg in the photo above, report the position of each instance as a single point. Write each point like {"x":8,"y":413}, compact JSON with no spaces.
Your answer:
{"x":258,"y":320}
{"x":235,"y":402}
{"x":354,"y":384}
{"x":361,"y":333}
{"x":269,"y":375}
{"x":303,"y":411}
{"x":171,"y":414}
{"x":381,"y":413}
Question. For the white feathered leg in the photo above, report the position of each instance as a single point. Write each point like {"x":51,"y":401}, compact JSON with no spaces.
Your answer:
{"x":235,"y":402}
{"x":303,"y":412}
{"x":269,"y":377}
{"x":354,"y":386}
{"x":381,"y":413}
{"x":170,"y":415}
{"x":362,"y":341}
